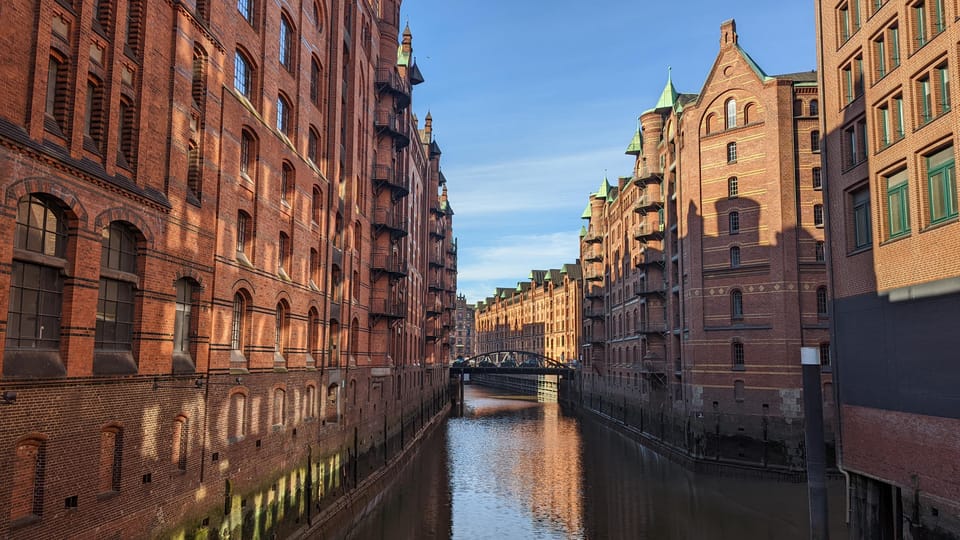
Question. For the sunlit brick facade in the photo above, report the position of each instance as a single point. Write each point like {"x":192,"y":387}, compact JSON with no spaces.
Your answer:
{"x":219,"y":227}
{"x":704,"y":270}
{"x":539,"y":316}
{"x":888,"y":72}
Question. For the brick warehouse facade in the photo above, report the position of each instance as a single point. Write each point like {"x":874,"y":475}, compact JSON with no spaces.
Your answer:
{"x":464,"y":331}
{"x":888,"y":73}
{"x":229,"y":268}
{"x":704,"y":270}
{"x":540,"y":316}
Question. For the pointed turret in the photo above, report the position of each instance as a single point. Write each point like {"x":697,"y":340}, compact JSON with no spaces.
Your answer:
{"x":604,"y":190}
{"x":636,"y":145}
{"x":405,"y":50}
{"x":668,"y":98}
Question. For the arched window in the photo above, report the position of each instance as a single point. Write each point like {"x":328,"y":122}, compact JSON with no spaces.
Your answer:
{"x":731,"y":152}
{"x":310,"y":402}
{"x":184,"y":325}
{"x":118,"y":280}
{"x":111,"y":459}
{"x":814,"y":107}
{"x":281,"y":331}
{"x":314,"y":349}
{"x":279,"y":407}
{"x":127,"y":157}
{"x":237,"y":419}
{"x":315,"y":83}
{"x":738,"y":355}
{"x":284,"y":114}
{"x":244,"y":233}
{"x":798,"y":107}
{"x":332,"y":407}
{"x":287,"y":182}
{"x":283,"y":254}
{"x":56,"y":103}
{"x":736,"y":304}
{"x":36,"y":282}
{"x":733,"y":223}
{"x":334,"y":356}
{"x":27,"y":479}
{"x":245,"y":7}
{"x":238,"y":325}
{"x":243,"y":75}
{"x":181,"y":433}
{"x":314,"y":268}
{"x":248,"y":154}
{"x":288,"y":39}
{"x":731,"y":113}
{"x":735,"y":257}
{"x":711,"y":123}
{"x":316,"y":203}
{"x":313,"y":146}
{"x":355,"y":337}
{"x":822,"y":301}
{"x":748,"y":113}
{"x":194,"y":171}
{"x":733,"y":187}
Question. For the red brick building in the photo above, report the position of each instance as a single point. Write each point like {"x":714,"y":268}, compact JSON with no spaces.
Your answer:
{"x":888,"y":73}
{"x":704,"y":269}
{"x":229,"y":256}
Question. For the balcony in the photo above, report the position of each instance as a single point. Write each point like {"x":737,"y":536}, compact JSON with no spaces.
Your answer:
{"x":389,"y":263}
{"x":594,"y":255}
{"x":388,"y":309}
{"x":436,"y":260}
{"x":595,"y":293}
{"x":647,"y":256}
{"x":388,"y":176}
{"x":652,"y":327}
{"x":653,"y":365}
{"x":390,"y":219}
{"x":388,"y":122}
{"x":593,"y":274}
{"x":593,"y":238}
{"x":650,"y":201}
{"x":596,"y":341}
{"x":388,"y":79}
{"x":436,"y":230}
{"x":436,"y":284}
{"x":646,"y":175}
{"x":651,"y":289}
{"x":647,"y":230}
{"x":594,"y":313}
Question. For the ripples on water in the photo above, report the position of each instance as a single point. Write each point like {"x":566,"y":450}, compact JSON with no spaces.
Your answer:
{"x":514,"y":468}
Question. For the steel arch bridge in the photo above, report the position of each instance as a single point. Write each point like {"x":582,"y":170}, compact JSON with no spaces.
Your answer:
{"x":510,"y":362}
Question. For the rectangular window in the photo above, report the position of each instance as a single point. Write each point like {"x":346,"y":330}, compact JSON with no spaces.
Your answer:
{"x":850,"y":144}
{"x":898,"y":217}
{"x":847,"y":78}
{"x":925,"y":99}
{"x":731,"y":152}
{"x":920,"y":24}
{"x":894,"y":46}
{"x":883,"y":125}
{"x":241,"y":232}
{"x":817,"y":179}
{"x":819,"y":252}
{"x":898,"y":117}
{"x":818,"y":215}
{"x":942,"y":185}
{"x":943,"y":80}
{"x":844,"y":22}
{"x":862,"y":234}
{"x":880,"y":54}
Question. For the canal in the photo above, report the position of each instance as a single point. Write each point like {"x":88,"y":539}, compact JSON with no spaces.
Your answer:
{"x":515,"y":468}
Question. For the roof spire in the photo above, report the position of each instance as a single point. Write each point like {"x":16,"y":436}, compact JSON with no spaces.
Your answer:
{"x":668,"y":98}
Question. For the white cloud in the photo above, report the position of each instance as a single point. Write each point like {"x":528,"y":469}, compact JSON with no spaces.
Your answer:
{"x":537,"y":184}
{"x":511,"y":259}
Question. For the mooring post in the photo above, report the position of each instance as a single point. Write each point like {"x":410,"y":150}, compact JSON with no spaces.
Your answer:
{"x":815,"y":449}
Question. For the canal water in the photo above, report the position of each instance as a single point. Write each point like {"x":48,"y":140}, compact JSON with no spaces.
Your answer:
{"x":514,"y":468}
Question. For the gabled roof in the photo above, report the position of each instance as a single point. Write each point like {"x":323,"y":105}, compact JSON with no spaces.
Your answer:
{"x":753,"y":65}
{"x":572,"y":271}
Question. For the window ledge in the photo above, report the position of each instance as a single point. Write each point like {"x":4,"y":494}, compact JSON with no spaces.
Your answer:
{"x":242,"y":259}
{"x":859,"y":250}
{"x":942,"y":223}
{"x":738,"y":368}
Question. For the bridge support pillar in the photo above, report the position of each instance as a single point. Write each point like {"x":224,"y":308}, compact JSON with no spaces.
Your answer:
{"x":460,"y":392}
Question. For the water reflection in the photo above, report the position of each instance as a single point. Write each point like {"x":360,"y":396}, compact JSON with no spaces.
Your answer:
{"x":515,"y":468}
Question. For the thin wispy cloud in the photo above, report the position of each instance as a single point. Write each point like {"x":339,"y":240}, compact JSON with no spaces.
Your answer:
{"x":511,"y":259}
{"x":542,"y":183}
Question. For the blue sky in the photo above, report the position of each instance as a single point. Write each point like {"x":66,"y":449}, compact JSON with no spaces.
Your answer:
{"x":533,"y":102}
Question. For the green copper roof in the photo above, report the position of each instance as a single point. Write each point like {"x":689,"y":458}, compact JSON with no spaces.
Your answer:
{"x":604,"y":190}
{"x":753,"y":65}
{"x":669,"y":95}
{"x":636,"y":145}
{"x":583,"y":230}
{"x":586,"y":212}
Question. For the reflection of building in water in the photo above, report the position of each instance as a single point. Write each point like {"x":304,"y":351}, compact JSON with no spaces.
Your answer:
{"x":889,"y":72}
{"x":541,"y":315}
{"x":704,"y":269}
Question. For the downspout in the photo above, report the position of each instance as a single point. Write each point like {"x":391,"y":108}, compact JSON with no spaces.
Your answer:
{"x":828,"y":259}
